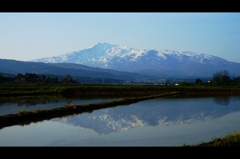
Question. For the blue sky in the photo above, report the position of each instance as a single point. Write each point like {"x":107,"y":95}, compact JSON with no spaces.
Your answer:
{"x":28,"y":36}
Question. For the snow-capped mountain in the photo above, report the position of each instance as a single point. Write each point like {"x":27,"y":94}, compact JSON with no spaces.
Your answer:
{"x":150,"y":62}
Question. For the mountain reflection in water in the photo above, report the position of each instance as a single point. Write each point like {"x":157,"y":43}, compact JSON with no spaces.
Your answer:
{"x":161,"y":111}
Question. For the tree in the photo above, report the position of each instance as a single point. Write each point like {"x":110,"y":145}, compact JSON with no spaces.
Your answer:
{"x":68,"y":76}
{"x":27,"y":77}
{"x":236,"y":81}
{"x":198,"y":81}
{"x":216,"y":78}
{"x":225,"y":77}
{"x":68,"y":79}
{"x":1,"y":78}
{"x":221,"y":77}
{"x":55,"y":79}
{"x":19,"y":75}
{"x":47,"y":79}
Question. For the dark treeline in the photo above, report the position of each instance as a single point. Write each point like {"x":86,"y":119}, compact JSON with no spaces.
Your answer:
{"x":32,"y":77}
{"x":221,"y":78}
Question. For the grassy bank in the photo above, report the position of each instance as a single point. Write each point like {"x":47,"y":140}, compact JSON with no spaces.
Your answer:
{"x":229,"y":140}
{"x":26,"y":117}
{"x":74,"y":89}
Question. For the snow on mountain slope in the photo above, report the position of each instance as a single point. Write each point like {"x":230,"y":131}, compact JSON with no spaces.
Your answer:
{"x":105,"y":55}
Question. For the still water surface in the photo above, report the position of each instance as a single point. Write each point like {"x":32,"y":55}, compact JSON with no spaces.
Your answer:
{"x":165,"y":121}
{"x":14,"y":106}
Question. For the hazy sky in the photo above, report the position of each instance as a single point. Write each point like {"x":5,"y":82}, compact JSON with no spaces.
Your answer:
{"x":28,"y":36}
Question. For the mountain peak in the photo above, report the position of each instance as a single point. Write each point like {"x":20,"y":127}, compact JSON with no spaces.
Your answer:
{"x":123,"y":58}
{"x":104,"y":44}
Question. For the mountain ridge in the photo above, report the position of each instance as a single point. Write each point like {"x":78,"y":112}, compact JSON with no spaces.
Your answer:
{"x":123,"y":58}
{"x":62,"y":69}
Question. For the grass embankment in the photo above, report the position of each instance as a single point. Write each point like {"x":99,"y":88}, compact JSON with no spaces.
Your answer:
{"x":229,"y":140}
{"x":20,"y":89}
{"x":73,"y":89}
{"x":26,"y":117}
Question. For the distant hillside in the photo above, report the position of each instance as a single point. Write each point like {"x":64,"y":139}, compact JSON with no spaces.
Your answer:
{"x":77,"y":71}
